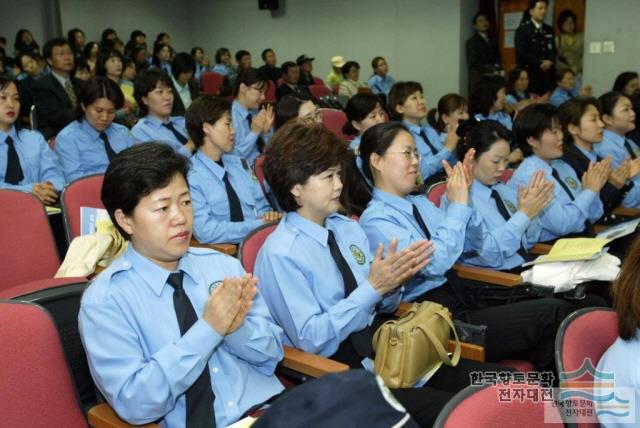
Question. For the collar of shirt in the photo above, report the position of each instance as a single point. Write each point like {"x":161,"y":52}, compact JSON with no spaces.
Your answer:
{"x":210,"y":164}
{"x":237,"y":107}
{"x":90,"y":130}
{"x":152,"y":274}
{"x":589,"y":154}
{"x":177,"y":84}
{"x":536,"y":163}
{"x":308,"y":227}
{"x":484,"y":36}
{"x":12,"y":133}
{"x":60,"y":78}
{"x":613,"y":137}
{"x":535,"y":24}
{"x":481,"y":191}
{"x":412,"y":127}
{"x":156,"y":122}
{"x":393,"y":200}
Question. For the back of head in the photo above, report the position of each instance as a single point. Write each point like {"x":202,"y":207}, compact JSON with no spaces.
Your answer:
{"x":182,"y":63}
{"x":626,"y":293}
{"x":296,"y":152}
{"x":136,"y":172}
{"x":485,"y":94}
{"x":531,"y":122}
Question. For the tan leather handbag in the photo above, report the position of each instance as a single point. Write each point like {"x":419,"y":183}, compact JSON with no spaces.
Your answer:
{"x":415,"y":344}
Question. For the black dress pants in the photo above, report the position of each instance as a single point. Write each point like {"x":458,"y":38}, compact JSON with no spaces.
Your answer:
{"x":527,"y":327}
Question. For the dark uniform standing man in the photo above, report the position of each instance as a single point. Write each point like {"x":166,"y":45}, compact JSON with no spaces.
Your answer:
{"x":535,"y":47}
{"x":483,"y":55}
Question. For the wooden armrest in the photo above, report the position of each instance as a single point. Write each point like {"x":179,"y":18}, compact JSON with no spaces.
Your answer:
{"x":402,"y":308}
{"x":229,"y":249}
{"x":311,"y":364}
{"x":600,"y":227}
{"x":468,"y":350}
{"x":540,"y":249}
{"x":626,"y":212}
{"x":103,"y":416}
{"x":485,"y":275}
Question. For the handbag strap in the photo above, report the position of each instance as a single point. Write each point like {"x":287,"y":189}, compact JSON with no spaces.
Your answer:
{"x":442,"y":353}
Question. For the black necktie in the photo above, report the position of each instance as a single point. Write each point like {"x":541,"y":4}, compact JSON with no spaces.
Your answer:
{"x":556,"y":176}
{"x":522,"y":252}
{"x":421,"y":223}
{"x":13,"y":174}
{"x":235,"y":208}
{"x":627,"y":145}
{"x":179,"y":136}
{"x":426,"y":140}
{"x":361,"y":340}
{"x":107,"y":147}
{"x":259,"y":140}
{"x":199,"y":395}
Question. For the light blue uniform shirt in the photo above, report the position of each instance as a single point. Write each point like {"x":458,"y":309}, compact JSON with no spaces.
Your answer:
{"x":388,"y":216}
{"x":355,"y":143}
{"x":631,"y":198}
{"x":211,"y":211}
{"x":141,"y":363}
{"x":500,"y":116}
{"x":431,"y":163}
{"x":613,"y":145}
{"x":381,"y":85}
{"x":81,"y":150}
{"x":246,"y":146}
{"x":37,"y":160}
{"x":303,"y":287}
{"x":499,"y":239}
{"x":559,"y":96}
{"x":621,"y":359}
{"x":562,"y":216}
{"x":511,"y":100}
{"x":150,"y":128}
{"x":225,"y":70}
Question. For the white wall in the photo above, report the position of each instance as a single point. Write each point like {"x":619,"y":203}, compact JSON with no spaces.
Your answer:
{"x":616,"y":21}
{"x":150,"y":16}
{"x":419,"y":38}
{"x":29,"y":14}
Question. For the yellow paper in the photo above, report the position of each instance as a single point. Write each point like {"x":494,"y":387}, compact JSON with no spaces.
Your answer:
{"x":52,"y":210}
{"x":569,"y":249}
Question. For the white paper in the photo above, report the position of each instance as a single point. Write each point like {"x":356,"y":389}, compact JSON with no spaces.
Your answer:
{"x":619,"y":230}
{"x":512,"y":20}
{"x":509,"y":39}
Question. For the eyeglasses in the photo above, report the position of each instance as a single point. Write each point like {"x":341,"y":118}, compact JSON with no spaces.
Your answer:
{"x":409,"y":154}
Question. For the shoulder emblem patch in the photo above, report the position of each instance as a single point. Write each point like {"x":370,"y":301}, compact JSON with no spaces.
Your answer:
{"x":357,"y":254}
